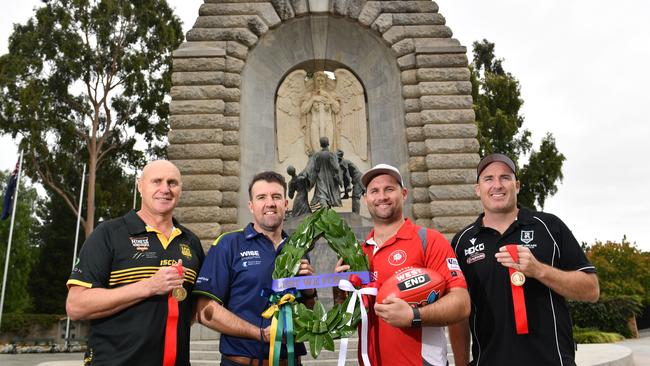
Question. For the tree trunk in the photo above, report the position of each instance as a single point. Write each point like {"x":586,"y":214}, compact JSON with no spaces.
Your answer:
{"x":90,"y":196}
{"x":631,"y":324}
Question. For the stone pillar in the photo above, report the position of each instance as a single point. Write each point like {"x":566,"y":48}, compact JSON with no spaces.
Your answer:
{"x":204,"y":138}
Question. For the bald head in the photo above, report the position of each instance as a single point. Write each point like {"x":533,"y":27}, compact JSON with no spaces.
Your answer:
{"x":160,"y":165}
{"x":160,"y":187}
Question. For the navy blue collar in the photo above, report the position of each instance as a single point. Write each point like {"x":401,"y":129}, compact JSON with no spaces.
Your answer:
{"x":250,"y":233}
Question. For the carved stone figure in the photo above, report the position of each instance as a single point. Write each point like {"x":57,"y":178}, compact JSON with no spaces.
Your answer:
{"x":310,"y":108}
{"x":351,"y":176}
{"x":298,"y":186}
{"x":320,"y":109}
{"x":325,"y":176}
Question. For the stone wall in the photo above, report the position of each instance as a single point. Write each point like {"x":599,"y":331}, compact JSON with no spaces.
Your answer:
{"x":436,"y":116}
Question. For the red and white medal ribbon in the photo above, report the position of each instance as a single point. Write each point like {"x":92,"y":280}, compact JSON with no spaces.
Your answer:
{"x":169,"y":358}
{"x":518,"y":298}
{"x":345,"y":285}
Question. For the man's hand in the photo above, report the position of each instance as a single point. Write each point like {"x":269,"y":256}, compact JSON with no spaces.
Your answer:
{"x":528,"y":264}
{"x":305,"y":268}
{"x":165,"y":280}
{"x":340,"y":267}
{"x":395,"y":311}
{"x":265,"y":333}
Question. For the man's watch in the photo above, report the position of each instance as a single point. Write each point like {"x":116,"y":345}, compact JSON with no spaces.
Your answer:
{"x":417,"y":321}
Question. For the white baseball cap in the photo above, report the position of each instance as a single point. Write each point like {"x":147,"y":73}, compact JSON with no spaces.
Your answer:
{"x":380,"y":169}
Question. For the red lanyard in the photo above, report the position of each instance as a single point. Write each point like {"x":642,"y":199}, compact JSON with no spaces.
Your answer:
{"x":171,"y":329}
{"x":518,"y":298}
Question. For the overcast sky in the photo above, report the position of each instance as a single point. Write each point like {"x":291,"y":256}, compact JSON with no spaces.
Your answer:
{"x":583,"y":69}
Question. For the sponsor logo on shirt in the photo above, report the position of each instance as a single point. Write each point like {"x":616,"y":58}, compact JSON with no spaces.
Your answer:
{"x":474,"y":252}
{"x":202,"y":279}
{"x":397,"y":257}
{"x":140,"y":244}
{"x":145,"y":255}
{"x":246,"y":264}
{"x":185,"y":251}
{"x":250,"y":253}
{"x":452,"y":264}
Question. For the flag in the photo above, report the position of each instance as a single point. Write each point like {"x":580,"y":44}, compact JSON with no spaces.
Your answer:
{"x":9,"y":194}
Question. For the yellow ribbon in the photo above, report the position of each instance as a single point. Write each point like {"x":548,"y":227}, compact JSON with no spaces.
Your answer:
{"x":271,"y":312}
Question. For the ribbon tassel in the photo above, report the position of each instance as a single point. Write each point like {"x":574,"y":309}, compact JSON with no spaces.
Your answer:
{"x":346,"y":285}
{"x":282,"y":318}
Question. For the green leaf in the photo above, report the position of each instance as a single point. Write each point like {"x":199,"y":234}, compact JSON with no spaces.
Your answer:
{"x":333,"y":314}
{"x":302,"y":336}
{"x":345,"y":317}
{"x":346,"y":332}
{"x":322,"y":327}
{"x":316,"y":346}
{"x":328,"y":342}
{"x":319,"y":310}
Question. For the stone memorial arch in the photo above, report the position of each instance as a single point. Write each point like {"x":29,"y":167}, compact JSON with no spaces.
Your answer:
{"x":415,"y":85}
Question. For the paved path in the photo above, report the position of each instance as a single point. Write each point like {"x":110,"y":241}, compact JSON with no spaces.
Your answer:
{"x":588,"y":354}
{"x":31,"y":359}
{"x":640,"y":348}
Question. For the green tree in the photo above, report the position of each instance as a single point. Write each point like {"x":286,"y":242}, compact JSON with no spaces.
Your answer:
{"x":57,"y":233}
{"x":623,"y":269}
{"x":82,"y":80}
{"x":497,"y":101}
{"x":22,"y":256}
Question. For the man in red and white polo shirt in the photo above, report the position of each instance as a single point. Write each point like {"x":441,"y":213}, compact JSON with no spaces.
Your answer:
{"x":398,"y":333}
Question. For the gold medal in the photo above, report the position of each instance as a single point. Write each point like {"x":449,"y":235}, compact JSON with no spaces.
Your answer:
{"x":179,"y":293}
{"x":517,"y":278}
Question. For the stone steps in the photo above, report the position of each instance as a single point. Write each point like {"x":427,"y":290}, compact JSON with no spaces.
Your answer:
{"x":206,"y":353}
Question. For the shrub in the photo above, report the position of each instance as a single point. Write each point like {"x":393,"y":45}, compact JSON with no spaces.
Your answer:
{"x":590,"y":335}
{"x":608,"y":315}
{"x":21,"y":324}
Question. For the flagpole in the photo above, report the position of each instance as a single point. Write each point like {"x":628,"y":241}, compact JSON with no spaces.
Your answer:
{"x":76,"y":242}
{"x":135,"y":188}
{"x":11,"y":233}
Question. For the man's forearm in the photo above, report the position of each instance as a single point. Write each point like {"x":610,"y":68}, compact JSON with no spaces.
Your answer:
{"x":216,"y":317}
{"x":94,"y":303}
{"x":459,"y":338}
{"x":449,"y":309}
{"x":573,"y":285}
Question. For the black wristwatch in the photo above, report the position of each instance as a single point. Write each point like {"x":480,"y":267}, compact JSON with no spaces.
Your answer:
{"x":417,"y":321}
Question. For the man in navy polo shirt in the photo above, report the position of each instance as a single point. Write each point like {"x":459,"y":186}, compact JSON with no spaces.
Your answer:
{"x":239,"y":265}
{"x":519,"y":265}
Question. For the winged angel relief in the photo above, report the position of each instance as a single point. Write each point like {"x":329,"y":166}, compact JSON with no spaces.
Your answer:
{"x":309,"y":108}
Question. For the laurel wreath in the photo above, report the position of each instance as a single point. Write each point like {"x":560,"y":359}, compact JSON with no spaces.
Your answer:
{"x":320,"y":327}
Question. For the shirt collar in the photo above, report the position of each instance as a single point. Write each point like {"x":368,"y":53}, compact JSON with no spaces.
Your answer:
{"x":136,"y":226}
{"x":524,"y":216}
{"x":405,"y":232}
{"x":250,"y":233}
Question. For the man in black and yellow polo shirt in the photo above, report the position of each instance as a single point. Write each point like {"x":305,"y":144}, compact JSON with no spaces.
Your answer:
{"x":132,"y":278}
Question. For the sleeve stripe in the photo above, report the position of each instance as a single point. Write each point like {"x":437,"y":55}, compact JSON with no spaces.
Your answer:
{"x":586,"y":268}
{"x":216,"y":241}
{"x":78,"y":283}
{"x":208,"y":295}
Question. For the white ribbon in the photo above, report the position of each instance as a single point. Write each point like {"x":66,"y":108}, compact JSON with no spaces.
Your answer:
{"x":345,"y":285}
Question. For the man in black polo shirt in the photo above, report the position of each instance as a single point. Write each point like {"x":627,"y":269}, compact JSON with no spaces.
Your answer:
{"x":519,"y":265}
{"x":132,"y":278}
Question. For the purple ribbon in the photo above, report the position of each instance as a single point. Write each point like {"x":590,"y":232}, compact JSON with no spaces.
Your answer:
{"x":318,"y":281}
